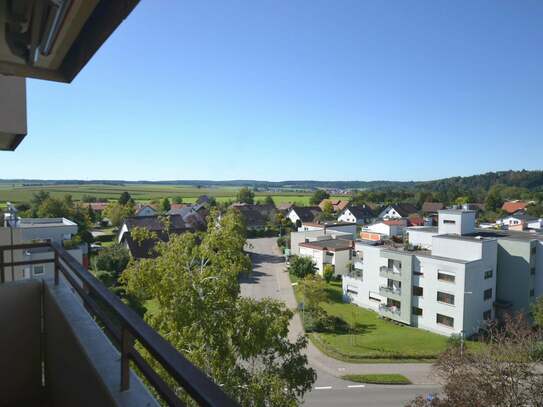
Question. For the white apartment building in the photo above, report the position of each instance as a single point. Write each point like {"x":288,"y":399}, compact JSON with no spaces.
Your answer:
{"x":28,"y":230}
{"x":337,"y":252}
{"x":444,"y":281}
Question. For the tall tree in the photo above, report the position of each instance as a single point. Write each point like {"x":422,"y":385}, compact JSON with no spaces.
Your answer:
{"x":116,"y":213}
{"x":318,"y":196}
{"x":269,"y":200}
{"x":241,"y":343}
{"x":165,"y":205}
{"x":246,"y":195}
{"x":124,"y":198}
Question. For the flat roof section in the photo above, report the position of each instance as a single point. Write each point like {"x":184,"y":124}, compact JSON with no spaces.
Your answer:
{"x":334,"y":245}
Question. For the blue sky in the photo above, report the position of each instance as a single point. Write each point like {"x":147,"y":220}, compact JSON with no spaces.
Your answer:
{"x":277,"y":90}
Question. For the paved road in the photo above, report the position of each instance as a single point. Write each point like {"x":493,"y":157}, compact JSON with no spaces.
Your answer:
{"x":269,"y":279}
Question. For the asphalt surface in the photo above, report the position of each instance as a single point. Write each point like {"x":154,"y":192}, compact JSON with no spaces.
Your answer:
{"x":269,"y":279}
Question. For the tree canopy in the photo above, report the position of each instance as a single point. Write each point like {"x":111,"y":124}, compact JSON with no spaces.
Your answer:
{"x":301,"y":266}
{"x":241,"y":343}
{"x":245,"y":195}
{"x":318,"y":196}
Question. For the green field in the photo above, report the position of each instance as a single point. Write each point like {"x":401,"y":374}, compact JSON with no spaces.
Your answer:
{"x":141,"y":192}
{"x":371,"y":338}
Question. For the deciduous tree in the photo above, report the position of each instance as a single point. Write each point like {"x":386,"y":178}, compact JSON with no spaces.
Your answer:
{"x":241,"y":343}
{"x":246,"y":195}
{"x":318,"y":196}
{"x":503,"y":373}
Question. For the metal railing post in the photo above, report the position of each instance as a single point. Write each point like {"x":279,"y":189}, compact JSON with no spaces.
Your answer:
{"x":57,"y":266}
{"x":127,"y":342}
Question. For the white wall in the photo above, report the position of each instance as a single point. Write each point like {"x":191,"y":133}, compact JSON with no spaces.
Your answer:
{"x":316,"y":255}
{"x":418,"y":236}
{"x":370,"y":281}
{"x":462,"y":249}
{"x":458,"y":222}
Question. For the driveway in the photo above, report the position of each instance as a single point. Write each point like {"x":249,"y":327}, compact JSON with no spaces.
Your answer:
{"x":269,"y":279}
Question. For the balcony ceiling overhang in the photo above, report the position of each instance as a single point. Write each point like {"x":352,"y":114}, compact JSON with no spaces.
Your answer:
{"x":13,"y":126}
{"x":54,"y":39}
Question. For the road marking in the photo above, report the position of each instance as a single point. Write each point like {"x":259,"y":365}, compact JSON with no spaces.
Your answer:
{"x":341,"y":369}
{"x":323,"y":388}
{"x":356,"y":386}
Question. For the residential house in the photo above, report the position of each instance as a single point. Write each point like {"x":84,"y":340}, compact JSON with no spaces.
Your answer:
{"x":338,"y":205}
{"x":335,"y":251}
{"x":145,"y":210}
{"x":96,"y":207}
{"x":359,"y":214}
{"x":514,"y":206}
{"x":445,"y":281}
{"x":256,"y":217}
{"x":203,"y":200}
{"x":397,"y":211}
{"x":431,"y":208}
{"x":417,"y":220}
{"x":520,"y":221}
{"x":161,"y":227}
{"x":387,"y":228}
{"x":284,"y":207}
{"x":301,"y":214}
{"x":307,"y":236}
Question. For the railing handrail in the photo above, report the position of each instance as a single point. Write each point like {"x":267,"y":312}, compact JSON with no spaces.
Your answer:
{"x":196,"y":383}
{"x":396,"y":290}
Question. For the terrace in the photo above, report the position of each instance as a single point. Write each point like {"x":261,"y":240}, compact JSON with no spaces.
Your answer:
{"x":72,"y":342}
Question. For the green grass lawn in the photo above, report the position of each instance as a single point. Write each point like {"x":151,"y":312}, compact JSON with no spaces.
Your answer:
{"x":392,"y":378}
{"x":370,"y":338}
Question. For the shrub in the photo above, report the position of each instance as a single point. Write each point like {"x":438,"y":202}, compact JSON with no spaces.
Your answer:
{"x":328,"y":272}
{"x":302,"y":266}
{"x":106,"y":277}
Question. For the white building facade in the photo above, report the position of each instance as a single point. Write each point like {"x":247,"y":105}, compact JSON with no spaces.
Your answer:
{"x":444,"y":282}
{"x":28,"y":230}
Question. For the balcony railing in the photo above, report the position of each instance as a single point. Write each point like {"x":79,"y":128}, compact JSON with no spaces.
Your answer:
{"x":123,"y":327}
{"x":385,"y":271}
{"x":387,"y":291}
{"x":389,"y":309}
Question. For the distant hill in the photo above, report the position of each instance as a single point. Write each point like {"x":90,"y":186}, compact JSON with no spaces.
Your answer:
{"x":532,"y":180}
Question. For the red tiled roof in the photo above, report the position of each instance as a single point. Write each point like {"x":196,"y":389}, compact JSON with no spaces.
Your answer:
{"x":416,"y":220}
{"x":513,"y":206}
{"x":337,"y":204}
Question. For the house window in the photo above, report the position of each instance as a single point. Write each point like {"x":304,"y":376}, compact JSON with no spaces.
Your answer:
{"x":445,"y":320}
{"x":417,"y":311}
{"x":372,"y":298}
{"x":38,"y":270}
{"x":417,"y":291}
{"x":449,"y":222}
{"x":488,"y":274}
{"x":448,"y":278}
{"x":487,"y":315}
{"x":445,"y":297}
{"x":487,"y":294}
{"x":532,"y":292}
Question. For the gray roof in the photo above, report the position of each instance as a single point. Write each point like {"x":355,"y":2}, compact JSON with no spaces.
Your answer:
{"x":360,"y":211}
{"x":307,"y":213}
